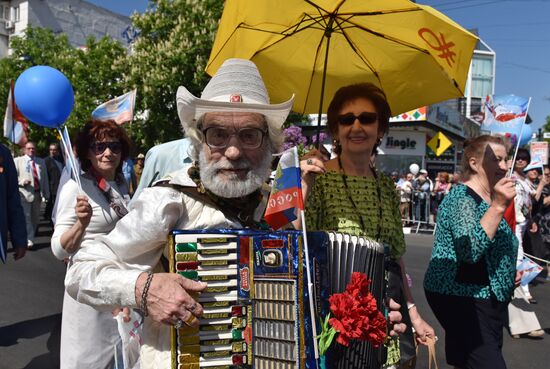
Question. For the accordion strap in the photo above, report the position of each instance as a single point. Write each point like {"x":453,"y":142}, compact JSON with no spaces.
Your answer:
{"x":194,"y":193}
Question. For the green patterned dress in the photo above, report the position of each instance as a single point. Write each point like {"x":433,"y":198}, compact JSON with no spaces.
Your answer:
{"x":329,"y":208}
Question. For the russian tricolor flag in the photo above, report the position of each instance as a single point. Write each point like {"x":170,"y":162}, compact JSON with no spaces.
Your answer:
{"x":285,"y":199}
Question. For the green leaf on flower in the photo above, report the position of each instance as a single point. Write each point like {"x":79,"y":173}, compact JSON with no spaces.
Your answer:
{"x":327,"y":336}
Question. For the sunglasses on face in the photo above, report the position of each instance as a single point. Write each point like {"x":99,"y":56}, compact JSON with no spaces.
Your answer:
{"x":522,"y":159}
{"x":99,"y":147}
{"x":364,"y":118}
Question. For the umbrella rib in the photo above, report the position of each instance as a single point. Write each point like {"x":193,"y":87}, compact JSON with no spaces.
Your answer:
{"x":355,"y":50}
{"x":378,"y":34}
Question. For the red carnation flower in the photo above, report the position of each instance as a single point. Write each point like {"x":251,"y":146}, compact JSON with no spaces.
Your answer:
{"x":355,"y":314}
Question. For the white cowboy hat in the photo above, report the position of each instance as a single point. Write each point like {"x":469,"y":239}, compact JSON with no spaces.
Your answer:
{"x":236,"y":87}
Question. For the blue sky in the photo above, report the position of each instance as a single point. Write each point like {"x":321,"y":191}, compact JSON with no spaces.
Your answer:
{"x":517,"y":30}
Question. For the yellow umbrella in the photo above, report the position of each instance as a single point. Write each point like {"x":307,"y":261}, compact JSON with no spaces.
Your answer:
{"x":311,"y":48}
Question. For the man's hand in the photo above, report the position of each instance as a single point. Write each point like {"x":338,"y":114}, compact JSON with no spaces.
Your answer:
{"x":169,"y":298}
{"x":394,"y":317}
{"x":19,"y":252}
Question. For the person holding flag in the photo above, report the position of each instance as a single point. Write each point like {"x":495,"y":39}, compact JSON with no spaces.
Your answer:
{"x":234,"y":130}
{"x":347,"y":194}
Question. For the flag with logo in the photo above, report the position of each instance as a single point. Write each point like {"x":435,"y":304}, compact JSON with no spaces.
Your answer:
{"x":15,"y":123}
{"x":505,"y":115}
{"x":285,"y":199}
{"x":528,"y":270}
{"x":120,"y":109}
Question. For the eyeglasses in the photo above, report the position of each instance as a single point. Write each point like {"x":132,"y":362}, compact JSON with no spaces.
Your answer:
{"x":364,"y":118}
{"x":249,"y":138}
{"x":99,"y":147}
{"x":522,"y":159}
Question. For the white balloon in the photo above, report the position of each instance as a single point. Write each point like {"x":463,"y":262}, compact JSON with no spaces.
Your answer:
{"x":414,"y":168}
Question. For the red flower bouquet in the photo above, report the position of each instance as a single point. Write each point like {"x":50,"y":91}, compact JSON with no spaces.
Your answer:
{"x":354,"y":316}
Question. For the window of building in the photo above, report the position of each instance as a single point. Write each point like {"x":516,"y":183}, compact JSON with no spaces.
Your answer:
{"x":482,"y":75}
{"x":16,"y":14}
{"x":4,"y":11}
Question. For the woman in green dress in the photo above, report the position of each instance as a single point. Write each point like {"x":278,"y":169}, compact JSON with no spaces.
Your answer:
{"x":347,"y":194}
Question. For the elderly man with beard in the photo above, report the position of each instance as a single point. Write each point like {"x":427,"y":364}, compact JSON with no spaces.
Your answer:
{"x":234,"y":131}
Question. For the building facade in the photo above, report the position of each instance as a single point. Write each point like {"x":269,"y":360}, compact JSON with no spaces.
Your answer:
{"x":75,"y":18}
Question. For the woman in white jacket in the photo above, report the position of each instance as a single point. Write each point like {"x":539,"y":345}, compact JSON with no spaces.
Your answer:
{"x":87,"y":335}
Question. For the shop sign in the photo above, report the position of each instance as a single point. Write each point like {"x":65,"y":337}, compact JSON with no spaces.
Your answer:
{"x":404,"y":143}
{"x":446,"y":118}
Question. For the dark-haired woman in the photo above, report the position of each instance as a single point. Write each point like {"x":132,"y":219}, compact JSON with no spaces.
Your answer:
{"x":87,"y":335}
{"x":471,"y":274}
{"x":347,"y":194}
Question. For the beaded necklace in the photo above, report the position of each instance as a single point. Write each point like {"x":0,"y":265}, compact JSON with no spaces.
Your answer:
{"x":379,"y":195}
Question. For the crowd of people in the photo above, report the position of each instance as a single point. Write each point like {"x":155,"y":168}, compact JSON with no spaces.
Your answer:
{"x":216,"y":178}
{"x":420,"y":196}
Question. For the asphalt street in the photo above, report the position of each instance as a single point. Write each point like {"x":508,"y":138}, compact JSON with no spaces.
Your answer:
{"x":31,"y":296}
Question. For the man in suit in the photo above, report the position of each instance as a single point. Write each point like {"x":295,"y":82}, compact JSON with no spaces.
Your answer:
{"x":12,"y":220}
{"x":54,"y":167}
{"x":33,"y":187}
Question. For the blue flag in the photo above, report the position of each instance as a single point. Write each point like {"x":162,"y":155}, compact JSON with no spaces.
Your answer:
{"x":120,"y":109}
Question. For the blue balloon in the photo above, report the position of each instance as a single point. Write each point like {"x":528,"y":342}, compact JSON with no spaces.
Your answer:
{"x":44,"y":95}
{"x":526,"y":135}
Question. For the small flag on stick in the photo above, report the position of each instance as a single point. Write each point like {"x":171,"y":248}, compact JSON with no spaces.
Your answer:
{"x":120,"y":109}
{"x":285,"y":199}
{"x":16,"y":125}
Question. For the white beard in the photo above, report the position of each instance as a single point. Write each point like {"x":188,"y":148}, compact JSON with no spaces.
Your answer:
{"x":232,"y":186}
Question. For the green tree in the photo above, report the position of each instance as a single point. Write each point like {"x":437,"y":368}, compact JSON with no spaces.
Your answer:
{"x":171,"y":51}
{"x":91,"y":70}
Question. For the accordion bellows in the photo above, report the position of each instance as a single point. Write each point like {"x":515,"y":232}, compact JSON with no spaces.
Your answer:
{"x":256,"y":305}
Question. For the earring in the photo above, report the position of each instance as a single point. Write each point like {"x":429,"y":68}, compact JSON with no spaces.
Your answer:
{"x":337,"y":148}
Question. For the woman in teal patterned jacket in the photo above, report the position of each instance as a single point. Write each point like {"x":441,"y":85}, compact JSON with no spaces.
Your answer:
{"x":471,"y":274}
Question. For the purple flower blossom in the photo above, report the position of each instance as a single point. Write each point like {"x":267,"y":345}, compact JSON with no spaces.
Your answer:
{"x":322,"y":137}
{"x":293,"y":137}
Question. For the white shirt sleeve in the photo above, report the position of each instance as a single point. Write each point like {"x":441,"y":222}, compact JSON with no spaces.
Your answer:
{"x":65,"y":217}
{"x":104,"y":273}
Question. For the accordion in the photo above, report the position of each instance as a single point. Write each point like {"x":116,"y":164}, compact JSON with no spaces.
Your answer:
{"x":257,"y":306}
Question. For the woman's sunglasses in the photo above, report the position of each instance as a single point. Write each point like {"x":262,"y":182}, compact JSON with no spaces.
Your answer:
{"x":364,"y":118}
{"x":99,"y":147}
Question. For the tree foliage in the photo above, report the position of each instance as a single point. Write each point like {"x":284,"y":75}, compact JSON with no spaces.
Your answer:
{"x":171,"y":51}
{"x":91,"y":70}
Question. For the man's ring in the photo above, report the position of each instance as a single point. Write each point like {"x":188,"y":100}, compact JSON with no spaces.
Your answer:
{"x":309,"y":161}
{"x":178,"y":324}
{"x":189,"y":321}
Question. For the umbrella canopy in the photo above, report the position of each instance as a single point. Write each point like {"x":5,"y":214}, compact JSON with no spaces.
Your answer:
{"x":311,"y":48}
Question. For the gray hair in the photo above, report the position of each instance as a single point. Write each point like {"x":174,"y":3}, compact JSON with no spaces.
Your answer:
{"x":275,"y":134}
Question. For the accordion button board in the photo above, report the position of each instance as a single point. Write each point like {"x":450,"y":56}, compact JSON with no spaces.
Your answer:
{"x":256,"y":304}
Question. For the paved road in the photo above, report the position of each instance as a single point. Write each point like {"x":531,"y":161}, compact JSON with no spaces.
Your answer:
{"x":523,"y":353}
{"x":31,"y":294}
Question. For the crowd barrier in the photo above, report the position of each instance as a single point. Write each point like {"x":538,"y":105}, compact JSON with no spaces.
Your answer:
{"x":421,"y":212}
